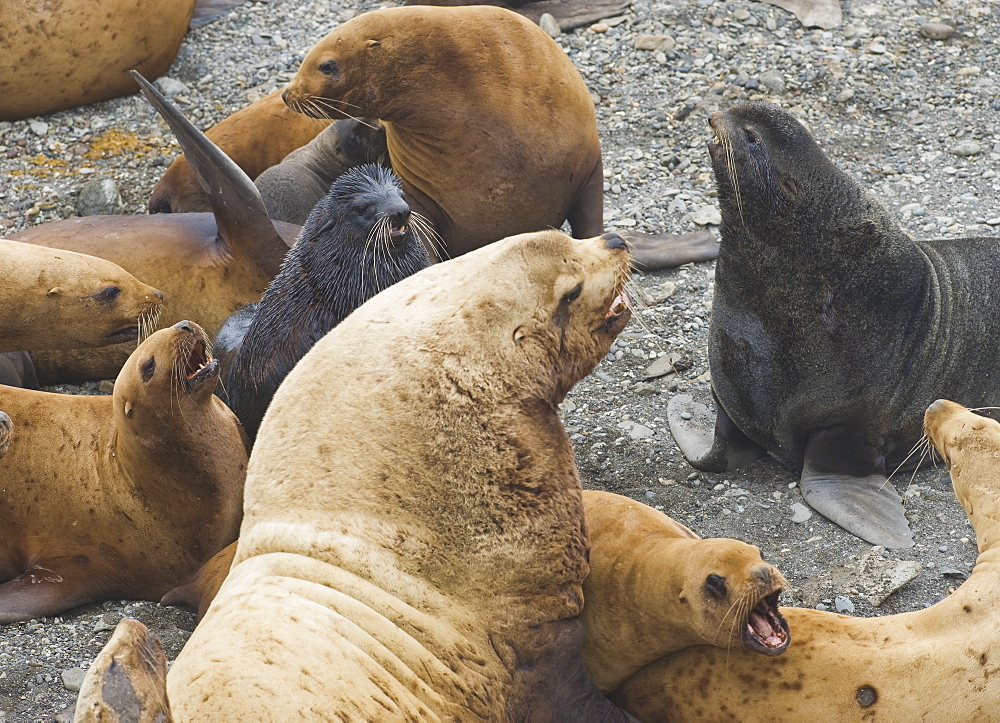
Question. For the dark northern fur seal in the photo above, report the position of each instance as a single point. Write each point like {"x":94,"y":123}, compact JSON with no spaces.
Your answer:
{"x":358,"y":241}
{"x":293,"y":187}
{"x":16,"y":370}
{"x":414,"y":541}
{"x":831,"y":328}
{"x":122,"y":496}
{"x":935,"y":664}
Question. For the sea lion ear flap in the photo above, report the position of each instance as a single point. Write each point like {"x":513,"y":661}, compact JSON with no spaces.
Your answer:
{"x":373,"y":43}
{"x":519,"y":334}
{"x":790,"y":186}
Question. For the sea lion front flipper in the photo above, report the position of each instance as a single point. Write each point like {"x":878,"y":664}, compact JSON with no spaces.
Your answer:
{"x":665,"y":250}
{"x":238,"y":208}
{"x":868,"y":507}
{"x":127,"y":680}
{"x":709,"y":445}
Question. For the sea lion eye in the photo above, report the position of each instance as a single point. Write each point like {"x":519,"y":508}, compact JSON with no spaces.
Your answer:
{"x":109,"y":294}
{"x":328,"y":68}
{"x":716,"y":586}
{"x":752,"y":138}
{"x":573,"y":295}
{"x":148,"y":368}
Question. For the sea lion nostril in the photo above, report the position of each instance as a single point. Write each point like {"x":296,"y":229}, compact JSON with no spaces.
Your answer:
{"x":614,"y":242}
{"x":184,"y":326}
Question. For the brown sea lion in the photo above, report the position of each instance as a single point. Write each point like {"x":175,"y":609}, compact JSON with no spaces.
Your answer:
{"x":123,"y":496}
{"x":815,"y":277}
{"x":55,"y":299}
{"x":939,"y":663}
{"x":655,"y":587}
{"x":59,"y":55}
{"x":208,"y":265}
{"x":413,"y":541}
{"x":255,"y":138}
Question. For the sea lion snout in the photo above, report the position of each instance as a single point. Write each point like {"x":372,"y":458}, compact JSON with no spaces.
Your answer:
{"x":614,"y":242}
{"x":184,"y":326}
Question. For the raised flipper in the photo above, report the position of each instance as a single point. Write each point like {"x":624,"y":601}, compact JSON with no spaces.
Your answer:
{"x":865,"y":505}
{"x":236,"y":203}
{"x":709,"y":445}
{"x":128,"y":679}
{"x":650,"y":252}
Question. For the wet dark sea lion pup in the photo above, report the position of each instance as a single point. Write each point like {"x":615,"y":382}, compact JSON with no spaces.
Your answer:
{"x":413,"y":541}
{"x":293,"y":187}
{"x":935,"y":664}
{"x":122,"y":496}
{"x":358,"y":241}
{"x":208,"y":265}
{"x":59,"y":55}
{"x":831,"y":328}
{"x":490,"y":127}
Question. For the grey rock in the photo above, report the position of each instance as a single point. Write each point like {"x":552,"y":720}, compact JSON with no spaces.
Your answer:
{"x":550,"y":25}
{"x":937,"y":31}
{"x":39,"y":128}
{"x":171,"y":87}
{"x":106,"y":386}
{"x":72,"y":678}
{"x":843,"y":604}
{"x":845,"y":95}
{"x":873,"y":576}
{"x":655,"y":42}
{"x":100,"y":198}
{"x":666,"y":364}
{"x":967,"y":148}
{"x":800,"y":513}
{"x":706,"y":215}
{"x":635,"y":430}
{"x":658,"y":294}
{"x":773,"y":80}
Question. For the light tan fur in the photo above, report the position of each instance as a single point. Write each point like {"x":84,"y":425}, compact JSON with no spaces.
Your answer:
{"x":117,"y":497}
{"x":60,"y":55}
{"x":941,"y":663}
{"x":53,"y":299}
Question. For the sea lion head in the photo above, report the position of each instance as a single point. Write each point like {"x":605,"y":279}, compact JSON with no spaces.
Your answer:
{"x":172,"y":371}
{"x":732,"y":595}
{"x":359,"y":140}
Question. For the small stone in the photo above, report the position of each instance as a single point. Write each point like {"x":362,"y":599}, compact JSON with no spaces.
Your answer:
{"x":821,"y":606}
{"x":877,"y":48}
{"x":967,"y":148}
{"x":937,"y":31}
{"x":845,"y":95}
{"x":693,"y":476}
{"x":108,"y":621}
{"x":550,"y":25}
{"x":106,"y":386}
{"x":667,"y":482}
{"x":171,"y":87}
{"x":800,"y":513}
{"x":72,"y":678}
{"x":686,"y":416}
{"x":648,"y":494}
{"x":659,"y":294}
{"x":952,"y":572}
{"x":843,"y":604}
{"x":100,"y":198}
{"x":706,"y":215}
{"x":773,"y":80}
{"x":666,"y":364}
{"x":39,"y":128}
{"x":942,"y":548}
{"x":741,"y":14}
{"x":600,"y":27}
{"x":635,"y":430}
{"x":663,"y":43}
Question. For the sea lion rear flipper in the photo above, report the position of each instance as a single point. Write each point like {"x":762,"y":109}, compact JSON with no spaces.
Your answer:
{"x":711,"y":446}
{"x":662,"y":251}
{"x":864,"y":506}
{"x":127,"y":680}
{"x":239,"y":211}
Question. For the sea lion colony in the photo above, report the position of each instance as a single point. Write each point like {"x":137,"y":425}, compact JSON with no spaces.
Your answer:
{"x":774,"y":184}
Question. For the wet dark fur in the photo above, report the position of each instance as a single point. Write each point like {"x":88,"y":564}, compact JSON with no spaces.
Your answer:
{"x":335,"y":266}
{"x":826,"y":315}
{"x":16,"y":370}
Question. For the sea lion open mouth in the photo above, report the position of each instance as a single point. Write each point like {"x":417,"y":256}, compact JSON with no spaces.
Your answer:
{"x":618,"y":314}
{"x":397,"y":231}
{"x":129,"y":333}
{"x":199,"y":367}
{"x":765,"y":630}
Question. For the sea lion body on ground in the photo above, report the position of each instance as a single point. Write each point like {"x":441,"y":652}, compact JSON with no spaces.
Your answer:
{"x":61,"y":300}
{"x":255,"y":138}
{"x":939,"y":663}
{"x":122,"y":496}
{"x":831,"y":328}
{"x":358,"y":241}
{"x":413,"y":539}
{"x":61,"y":55}
{"x":207,"y":264}
{"x":293,"y":187}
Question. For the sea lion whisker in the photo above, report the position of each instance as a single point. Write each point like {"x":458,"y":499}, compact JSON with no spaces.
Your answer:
{"x":319,"y":102}
{"x":336,"y":100}
{"x":431,"y":234}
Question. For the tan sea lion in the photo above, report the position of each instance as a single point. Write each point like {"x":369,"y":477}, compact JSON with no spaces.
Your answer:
{"x":413,"y":541}
{"x":59,"y":55}
{"x":940,"y":663}
{"x":123,"y":496}
{"x":207,"y":264}
{"x":52,"y":299}
{"x":655,"y":587}
{"x":255,"y":138}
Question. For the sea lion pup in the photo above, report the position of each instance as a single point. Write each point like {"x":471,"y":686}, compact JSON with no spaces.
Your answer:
{"x":413,"y":540}
{"x":55,"y":299}
{"x":490,"y":127}
{"x":813,"y":269}
{"x":156,"y":474}
{"x":255,"y":138}
{"x":655,"y":587}
{"x":292,"y":188}
{"x":358,"y":241}
{"x":65,"y":54}
{"x":939,"y":663}
{"x":207,"y":264}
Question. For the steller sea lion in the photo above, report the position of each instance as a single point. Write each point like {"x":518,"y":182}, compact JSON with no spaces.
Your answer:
{"x":831,"y":328}
{"x":939,"y":663}
{"x":59,"y":55}
{"x":413,"y":540}
{"x":122,"y":496}
{"x":359,"y":240}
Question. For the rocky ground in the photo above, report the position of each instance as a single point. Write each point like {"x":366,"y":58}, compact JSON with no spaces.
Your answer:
{"x":910,"y":110}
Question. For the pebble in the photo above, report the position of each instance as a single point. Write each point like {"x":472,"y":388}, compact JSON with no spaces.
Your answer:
{"x":549,"y":24}
{"x":821,"y":606}
{"x":967,"y":148}
{"x":600,"y":27}
{"x":845,"y":95}
{"x":663,"y":43}
{"x":937,"y":31}
{"x":100,"y":198}
{"x":843,"y":604}
{"x":942,"y":548}
{"x":106,"y":386}
{"x":705,"y":215}
{"x":800,"y":513}
{"x":39,"y":128}
{"x":773,"y":80}
{"x":72,"y":678}
{"x":635,"y":430}
{"x":171,"y":87}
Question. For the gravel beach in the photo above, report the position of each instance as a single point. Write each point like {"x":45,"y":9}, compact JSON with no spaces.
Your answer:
{"x":904,"y":95}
